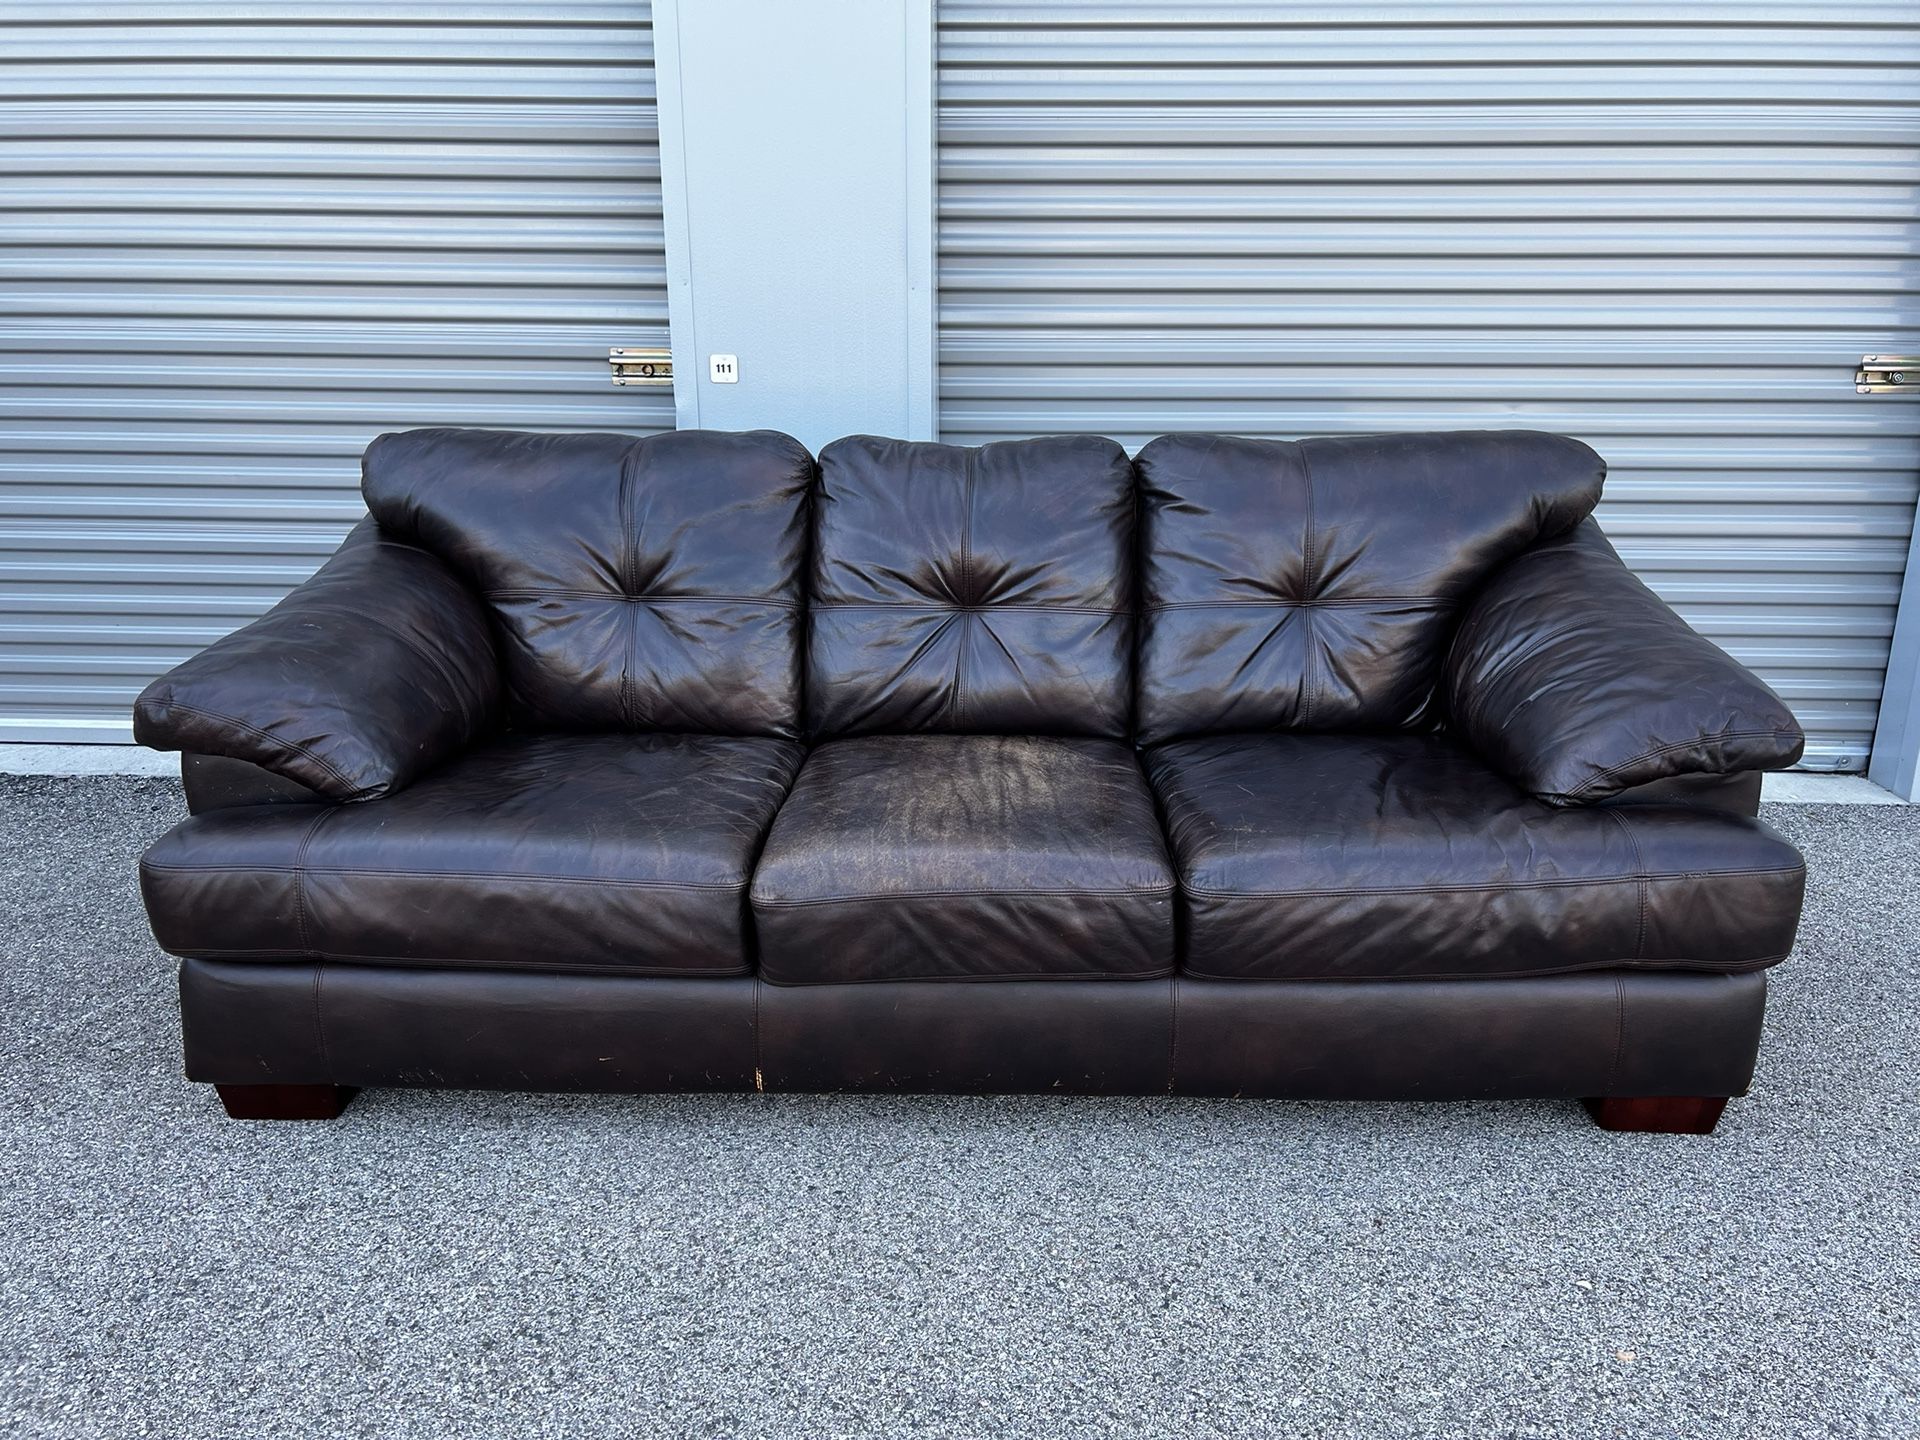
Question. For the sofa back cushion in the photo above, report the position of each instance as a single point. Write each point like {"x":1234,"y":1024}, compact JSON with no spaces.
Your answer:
{"x":637,"y":584}
{"x":1313,"y":585}
{"x":972,"y":590}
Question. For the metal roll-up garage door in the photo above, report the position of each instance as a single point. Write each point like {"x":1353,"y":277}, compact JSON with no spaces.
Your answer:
{"x":1671,"y":230}
{"x":238,"y":241}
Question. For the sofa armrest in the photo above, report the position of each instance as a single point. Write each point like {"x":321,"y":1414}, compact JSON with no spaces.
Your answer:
{"x":1576,"y":681}
{"x":378,"y":668}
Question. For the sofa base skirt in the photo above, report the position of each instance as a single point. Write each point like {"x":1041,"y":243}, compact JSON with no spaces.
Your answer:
{"x":1597,"y":1034}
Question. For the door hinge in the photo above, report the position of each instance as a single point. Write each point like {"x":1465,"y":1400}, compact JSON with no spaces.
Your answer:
{"x":1879,"y":374}
{"x":640,"y":365}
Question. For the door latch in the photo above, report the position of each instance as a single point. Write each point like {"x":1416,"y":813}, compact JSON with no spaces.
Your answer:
{"x":1879,"y":374}
{"x":635,"y":365}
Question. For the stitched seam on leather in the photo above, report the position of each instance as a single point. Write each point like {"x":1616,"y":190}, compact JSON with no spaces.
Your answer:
{"x":967,"y":457}
{"x":1717,"y":737}
{"x":772,"y":977}
{"x":438,"y":962}
{"x":648,"y":972}
{"x":1321,"y":602}
{"x":614,"y":597}
{"x":627,"y":666}
{"x":759,"y":1075}
{"x":627,"y":587}
{"x":634,"y":884}
{"x":1585,"y":967}
{"x":320,"y":1021}
{"x":1307,"y":588}
{"x":941,"y":607}
{"x":1493,"y":886}
{"x":300,"y":877}
{"x":771,"y":903}
{"x":1173,"y":1047}
{"x":958,"y":710}
{"x":272,"y":739}
{"x":1640,"y":874}
{"x":1619,"y":1033}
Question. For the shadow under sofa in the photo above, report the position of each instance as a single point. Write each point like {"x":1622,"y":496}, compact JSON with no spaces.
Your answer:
{"x":1344,"y":769}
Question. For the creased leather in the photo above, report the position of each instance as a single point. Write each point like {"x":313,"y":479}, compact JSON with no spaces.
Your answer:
{"x":627,"y":853}
{"x":1312,"y":585}
{"x":1366,"y":857}
{"x":638,"y":584}
{"x":949,"y":857}
{"x":1572,"y":677}
{"x":972,"y":590}
{"x":366,"y":676}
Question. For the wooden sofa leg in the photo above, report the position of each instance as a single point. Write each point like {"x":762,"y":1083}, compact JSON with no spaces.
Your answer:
{"x":1658,"y":1114}
{"x":285,"y":1102}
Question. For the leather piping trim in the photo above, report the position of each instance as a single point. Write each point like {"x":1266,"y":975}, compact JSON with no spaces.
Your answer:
{"x":1723,"y":737}
{"x":320,"y":1020}
{"x":1619,"y":1034}
{"x":297,"y":869}
{"x":1640,"y":874}
{"x":957,"y":706}
{"x":1672,"y":967}
{"x":1309,"y":668}
{"x":438,"y":962}
{"x":1173,"y":1036}
{"x":759,"y":1075}
{"x":628,"y":548}
{"x":1143,"y":891}
{"x":1324,"y":601}
{"x":300,"y":881}
{"x":1496,"y":886}
{"x":288,"y":746}
{"x":619,"y":597}
{"x":1165,"y":972}
{"x":944,"y":607}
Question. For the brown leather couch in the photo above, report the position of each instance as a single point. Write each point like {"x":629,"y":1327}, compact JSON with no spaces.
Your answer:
{"x":1350,"y":768}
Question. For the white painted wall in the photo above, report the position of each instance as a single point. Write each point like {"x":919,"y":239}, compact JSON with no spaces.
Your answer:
{"x":796,"y":142}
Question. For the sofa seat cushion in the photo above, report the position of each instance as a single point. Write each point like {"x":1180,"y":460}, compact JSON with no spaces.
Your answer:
{"x":1356,"y":857}
{"x":965,"y":857}
{"x":605,"y":853}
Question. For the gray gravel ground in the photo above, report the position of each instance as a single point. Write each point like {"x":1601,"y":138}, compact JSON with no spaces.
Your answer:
{"x":449,"y":1265}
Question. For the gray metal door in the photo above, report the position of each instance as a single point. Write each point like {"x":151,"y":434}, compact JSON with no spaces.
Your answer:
{"x":236,"y":242}
{"x":1670,"y":230}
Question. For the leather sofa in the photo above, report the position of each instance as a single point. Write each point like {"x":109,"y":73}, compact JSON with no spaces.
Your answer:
{"x":1352,"y":768}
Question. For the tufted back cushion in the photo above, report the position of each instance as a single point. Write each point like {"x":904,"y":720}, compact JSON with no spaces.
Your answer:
{"x":637,"y":584}
{"x":972,"y":590}
{"x":1313,"y":585}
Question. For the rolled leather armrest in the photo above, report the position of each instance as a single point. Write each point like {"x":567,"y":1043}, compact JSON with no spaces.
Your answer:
{"x":372,"y":672}
{"x":1576,"y":681}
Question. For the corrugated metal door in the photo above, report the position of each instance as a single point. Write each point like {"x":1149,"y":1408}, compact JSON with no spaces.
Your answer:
{"x":1671,"y":230}
{"x":236,"y":242}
